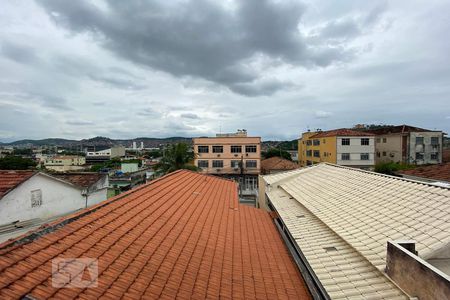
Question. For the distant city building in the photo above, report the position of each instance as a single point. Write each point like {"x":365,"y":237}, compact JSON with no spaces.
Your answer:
{"x":26,"y":195}
{"x":408,"y":144}
{"x":339,"y":146}
{"x":129,"y":167}
{"x":106,"y":154}
{"x":294,"y":154}
{"x":231,"y":155}
{"x":65,"y":163}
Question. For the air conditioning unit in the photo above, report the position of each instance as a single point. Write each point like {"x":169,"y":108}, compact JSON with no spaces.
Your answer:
{"x":235,"y":155}
{"x":218,"y":155}
{"x":236,"y":168}
{"x":218,"y":170}
{"x":246,"y":154}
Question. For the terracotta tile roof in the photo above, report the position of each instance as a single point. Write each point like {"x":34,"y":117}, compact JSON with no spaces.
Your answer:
{"x":278,"y":163}
{"x":184,"y":235}
{"x":9,"y":179}
{"x":437,"y":172}
{"x":83,"y":180}
{"x":398,"y":129}
{"x":446,"y":155}
{"x":341,"y":132}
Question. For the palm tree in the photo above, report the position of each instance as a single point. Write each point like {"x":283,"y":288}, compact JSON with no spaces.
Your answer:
{"x":176,"y":157}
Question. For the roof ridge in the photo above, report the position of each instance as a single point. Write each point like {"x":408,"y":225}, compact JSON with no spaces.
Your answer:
{"x":382,"y":175}
{"x":54,"y":225}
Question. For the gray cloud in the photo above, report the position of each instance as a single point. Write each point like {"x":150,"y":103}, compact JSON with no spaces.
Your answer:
{"x":190,"y":116}
{"x":200,"y":38}
{"x":18,"y":52}
{"x":79,"y":122}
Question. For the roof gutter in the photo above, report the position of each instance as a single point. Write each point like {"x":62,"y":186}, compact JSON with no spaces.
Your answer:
{"x":313,"y":283}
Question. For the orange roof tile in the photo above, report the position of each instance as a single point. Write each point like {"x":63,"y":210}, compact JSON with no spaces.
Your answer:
{"x":278,"y":163}
{"x":437,"y":172}
{"x":83,"y":180}
{"x":342,"y":132}
{"x":184,"y":235}
{"x":9,"y":179}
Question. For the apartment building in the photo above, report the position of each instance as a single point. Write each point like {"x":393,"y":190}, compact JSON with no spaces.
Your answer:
{"x":408,"y":144}
{"x":231,"y":155}
{"x":65,"y":163}
{"x":340,"y":146}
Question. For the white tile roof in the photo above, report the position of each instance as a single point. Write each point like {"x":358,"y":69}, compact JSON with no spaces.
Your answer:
{"x":358,"y":212}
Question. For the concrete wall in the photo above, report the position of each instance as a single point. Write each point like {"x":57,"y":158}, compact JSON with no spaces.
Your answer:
{"x":414,"y":275}
{"x":57,"y":198}
{"x":427,"y":149}
{"x":355,"y":149}
{"x":392,"y":147}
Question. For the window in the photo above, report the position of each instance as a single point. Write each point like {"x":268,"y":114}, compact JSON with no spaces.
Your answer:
{"x":384,"y":140}
{"x":308,"y":143}
{"x":323,"y":141}
{"x":309,"y":153}
{"x":325,"y":154}
{"x":365,"y":142}
{"x":36,"y":198}
{"x":236,"y":149}
{"x":434,"y":156}
{"x":345,"y":156}
{"x":378,"y":154}
{"x":316,"y":142}
{"x":419,"y":155}
{"x":235,"y":163}
{"x":203,"y":149}
{"x":217,"y":149}
{"x":250,"y":163}
{"x":202,"y":164}
{"x":434,"y":140}
{"x":345,"y":142}
{"x":217,"y":163}
{"x":250,"y":149}
{"x":419,"y":140}
{"x":378,"y":140}
{"x":364,"y":156}
{"x":384,"y":153}
{"x":316,"y":153}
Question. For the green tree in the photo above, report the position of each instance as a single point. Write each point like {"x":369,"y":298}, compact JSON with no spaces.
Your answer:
{"x":16,"y":163}
{"x":176,"y":157}
{"x":276,"y":152}
{"x":390,"y":168}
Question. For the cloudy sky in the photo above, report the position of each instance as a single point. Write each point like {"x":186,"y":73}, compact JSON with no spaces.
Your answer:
{"x":125,"y":69}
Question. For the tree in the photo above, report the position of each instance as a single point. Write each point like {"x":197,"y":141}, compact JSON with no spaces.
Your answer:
{"x":390,"y":168}
{"x":16,"y":163}
{"x":276,"y":152}
{"x":176,"y":157}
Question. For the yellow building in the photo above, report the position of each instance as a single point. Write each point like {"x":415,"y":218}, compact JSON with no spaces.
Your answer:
{"x":340,"y":146}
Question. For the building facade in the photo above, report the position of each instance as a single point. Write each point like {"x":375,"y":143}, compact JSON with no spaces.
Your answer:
{"x":43,"y":196}
{"x":341,"y":146}
{"x":65,"y":163}
{"x":408,"y":144}
{"x":234,"y":155}
{"x":106,"y":154}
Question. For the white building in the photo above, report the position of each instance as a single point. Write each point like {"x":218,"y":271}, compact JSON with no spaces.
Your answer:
{"x":65,"y":163}
{"x":106,"y":154}
{"x":26,"y":195}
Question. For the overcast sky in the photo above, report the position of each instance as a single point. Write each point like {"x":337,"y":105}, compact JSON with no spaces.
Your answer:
{"x":125,"y":69}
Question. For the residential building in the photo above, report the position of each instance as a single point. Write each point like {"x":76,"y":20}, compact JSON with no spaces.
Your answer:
{"x":408,"y":144}
{"x":231,"y":155}
{"x":365,"y":235}
{"x":64,"y":163}
{"x":129,"y":167}
{"x":437,"y":174}
{"x":105,"y":154}
{"x":26,"y":195}
{"x":339,"y":146}
{"x":183,"y":236}
{"x":294,"y":155}
{"x":276,"y":165}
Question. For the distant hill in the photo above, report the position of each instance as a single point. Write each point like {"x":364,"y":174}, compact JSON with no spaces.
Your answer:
{"x":98,"y":141}
{"x":284,"y":145}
